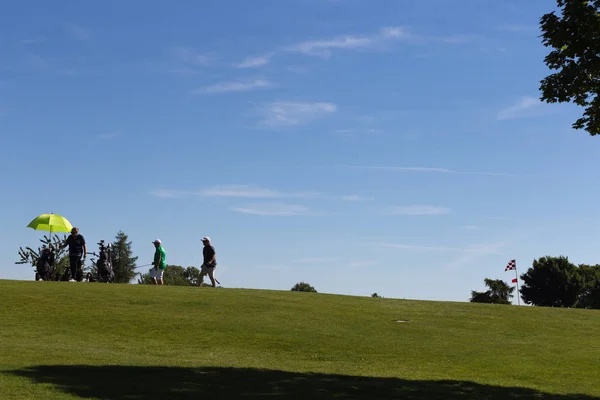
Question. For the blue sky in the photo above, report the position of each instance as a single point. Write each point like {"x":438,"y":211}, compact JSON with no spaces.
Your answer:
{"x":361,"y":146}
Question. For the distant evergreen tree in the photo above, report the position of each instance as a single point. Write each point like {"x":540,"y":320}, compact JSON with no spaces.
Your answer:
{"x":498,"y":293}
{"x":122,"y":259}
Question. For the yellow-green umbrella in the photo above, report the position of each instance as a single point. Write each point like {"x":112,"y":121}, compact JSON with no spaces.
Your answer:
{"x":50,"y":223}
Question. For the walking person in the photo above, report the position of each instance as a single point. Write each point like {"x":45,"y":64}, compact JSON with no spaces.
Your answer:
{"x":160,"y":263}
{"x":77,"y":250}
{"x":210,"y":262}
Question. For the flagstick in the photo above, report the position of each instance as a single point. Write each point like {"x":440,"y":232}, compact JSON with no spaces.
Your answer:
{"x":517,"y":276}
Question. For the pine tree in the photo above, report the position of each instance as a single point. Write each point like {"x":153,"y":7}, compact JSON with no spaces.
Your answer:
{"x":30,"y":256}
{"x":123,"y":262}
{"x":498,"y":293}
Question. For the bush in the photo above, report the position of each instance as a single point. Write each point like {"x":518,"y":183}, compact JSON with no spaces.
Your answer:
{"x":303,"y":287}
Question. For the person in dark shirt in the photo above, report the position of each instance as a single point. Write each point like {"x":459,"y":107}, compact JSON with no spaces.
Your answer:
{"x":45,"y":264}
{"x":210,"y":262}
{"x":77,"y":250}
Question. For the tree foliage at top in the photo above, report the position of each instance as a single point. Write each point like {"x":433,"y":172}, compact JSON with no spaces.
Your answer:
{"x":552,"y":282}
{"x":574,"y":37}
{"x":303,"y":287}
{"x":498,"y":293}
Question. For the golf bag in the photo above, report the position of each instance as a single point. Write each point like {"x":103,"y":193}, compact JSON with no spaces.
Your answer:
{"x":45,"y":265}
{"x":104,"y":263}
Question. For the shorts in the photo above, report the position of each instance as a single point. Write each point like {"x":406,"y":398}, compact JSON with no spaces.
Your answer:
{"x":208,"y":270}
{"x":156,"y":273}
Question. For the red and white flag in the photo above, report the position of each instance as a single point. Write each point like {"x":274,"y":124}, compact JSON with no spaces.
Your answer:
{"x":514,"y":280}
{"x":512,"y":265}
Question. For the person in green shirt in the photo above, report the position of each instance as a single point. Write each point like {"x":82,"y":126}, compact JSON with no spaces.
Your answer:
{"x":160,"y":263}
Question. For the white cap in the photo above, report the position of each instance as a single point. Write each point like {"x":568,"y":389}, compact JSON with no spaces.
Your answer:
{"x":156,"y":241}
{"x":206,"y":239}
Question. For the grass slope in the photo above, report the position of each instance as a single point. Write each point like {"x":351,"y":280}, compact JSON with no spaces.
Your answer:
{"x":61,"y":340}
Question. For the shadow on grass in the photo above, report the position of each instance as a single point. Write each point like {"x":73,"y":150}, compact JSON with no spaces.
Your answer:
{"x":123,"y":382}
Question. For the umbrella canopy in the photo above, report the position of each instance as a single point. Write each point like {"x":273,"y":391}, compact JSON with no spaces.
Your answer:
{"x":50,"y":223}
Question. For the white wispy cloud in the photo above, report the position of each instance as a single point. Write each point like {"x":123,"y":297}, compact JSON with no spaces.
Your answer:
{"x":237,"y":86}
{"x":36,"y":61}
{"x":395,"y":32}
{"x":297,"y":69}
{"x":288,"y":113}
{"x":354,"y":197}
{"x":417,"y":210}
{"x":109,"y":135}
{"x":352,"y":132}
{"x":193,"y":57}
{"x":418,"y":247}
{"x":325,"y":260}
{"x":77,"y":31}
{"x":426,"y":169}
{"x":79,"y":72}
{"x":250,"y":192}
{"x":458,"y":39}
{"x":274,"y":209}
{"x":324,"y":47}
{"x":385,"y":37}
{"x":185,"y":71}
{"x":470,"y":255}
{"x":458,"y":257}
{"x":344,"y":131}
{"x":381,"y":39}
{"x":472,"y":227}
{"x":316,"y":260}
{"x":254,"y":62}
{"x":172,"y":194}
{"x":362,"y":263}
{"x":278,"y":268}
{"x":487,"y":248}
{"x":39,"y":39}
{"x":518,"y":28}
{"x":522,"y":108}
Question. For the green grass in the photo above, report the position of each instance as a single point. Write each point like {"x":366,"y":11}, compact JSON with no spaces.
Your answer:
{"x":61,"y":340}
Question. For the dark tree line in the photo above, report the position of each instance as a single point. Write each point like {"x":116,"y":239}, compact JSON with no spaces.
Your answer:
{"x":556,"y":282}
{"x":175,"y":275}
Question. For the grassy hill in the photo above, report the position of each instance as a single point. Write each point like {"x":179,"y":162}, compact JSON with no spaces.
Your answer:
{"x":61,"y":340}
